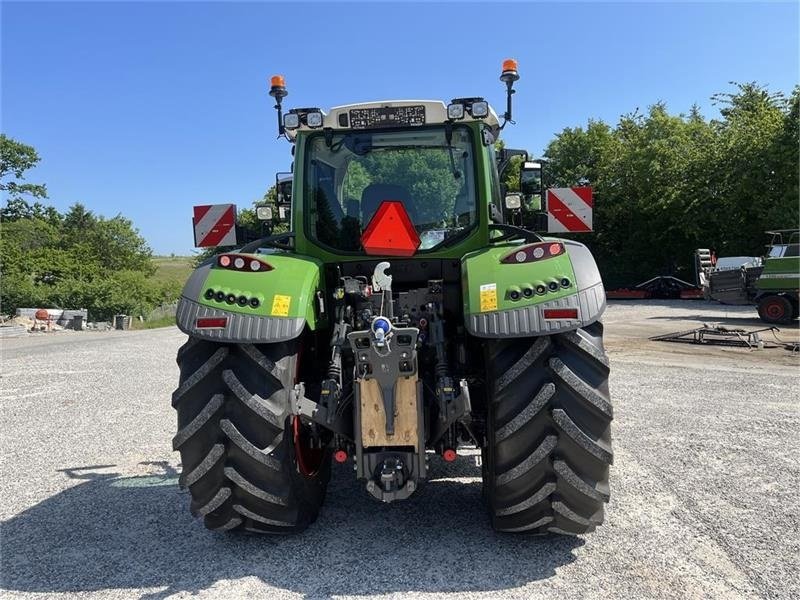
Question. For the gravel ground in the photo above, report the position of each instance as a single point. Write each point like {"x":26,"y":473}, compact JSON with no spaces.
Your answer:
{"x":704,"y":486}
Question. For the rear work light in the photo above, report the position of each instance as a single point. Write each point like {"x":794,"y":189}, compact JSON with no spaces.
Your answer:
{"x":314,"y":119}
{"x":480,"y":109}
{"x":211,"y":323}
{"x":242,"y":262}
{"x":534,"y":252}
{"x":560,"y":313}
{"x":291,"y":120}
{"x":455,"y":111}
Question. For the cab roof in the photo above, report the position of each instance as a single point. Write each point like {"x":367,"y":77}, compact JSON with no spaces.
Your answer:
{"x":435,"y":112}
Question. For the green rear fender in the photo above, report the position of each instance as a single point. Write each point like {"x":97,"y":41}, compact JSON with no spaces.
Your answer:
{"x":501,"y":299}
{"x":267,"y":305}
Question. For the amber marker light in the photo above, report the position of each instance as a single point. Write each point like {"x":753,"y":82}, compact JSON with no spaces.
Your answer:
{"x":509,"y":76}
{"x":277,"y":89}
{"x":509,"y":64}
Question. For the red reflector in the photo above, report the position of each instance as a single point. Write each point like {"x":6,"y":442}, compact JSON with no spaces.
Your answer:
{"x":211,"y":322}
{"x":449,"y":455}
{"x":390,"y":231}
{"x":340,"y":456}
{"x":560,"y":313}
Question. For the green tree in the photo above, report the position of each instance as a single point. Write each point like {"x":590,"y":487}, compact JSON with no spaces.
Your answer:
{"x":115,"y":242}
{"x":15,"y":159}
{"x":76,"y":260}
{"x":17,"y":208}
{"x":785,"y":155}
{"x":667,"y":184}
{"x":757,"y":170}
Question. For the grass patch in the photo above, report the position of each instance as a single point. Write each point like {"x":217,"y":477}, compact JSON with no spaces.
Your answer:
{"x":153,"y":324}
{"x":172,"y":269}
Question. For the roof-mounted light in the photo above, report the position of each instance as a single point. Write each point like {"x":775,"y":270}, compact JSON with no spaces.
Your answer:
{"x":510,"y":73}
{"x":455,"y":111}
{"x":298,"y":117}
{"x":291,"y":120}
{"x":277,"y":81}
{"x":509,"y":76}
{"x":480,"y":109}
{"x":277,"y":89}
{"x":477,"y":108}
{"x":314,"y":119}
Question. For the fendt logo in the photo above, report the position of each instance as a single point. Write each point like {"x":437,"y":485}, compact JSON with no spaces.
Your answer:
{"x":214,"y":225}
{"x":569,"y":209}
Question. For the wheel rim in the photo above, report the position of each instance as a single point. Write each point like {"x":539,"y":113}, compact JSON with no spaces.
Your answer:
{"x":308,"y":458}
{"x":774,"y":309}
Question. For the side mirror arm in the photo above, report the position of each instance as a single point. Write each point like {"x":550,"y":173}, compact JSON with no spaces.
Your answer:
{"x":506,"y":154}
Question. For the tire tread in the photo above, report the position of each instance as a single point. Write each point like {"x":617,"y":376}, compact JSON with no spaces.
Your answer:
{"x":553,"y":389}
{"x":238,"y":459}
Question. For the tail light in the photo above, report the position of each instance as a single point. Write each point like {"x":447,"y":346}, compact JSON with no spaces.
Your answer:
{"x":242,"y":262}
{"x":534,"y":252}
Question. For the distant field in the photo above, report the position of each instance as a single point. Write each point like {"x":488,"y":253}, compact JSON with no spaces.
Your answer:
{"x":172,"y":272}
{"x":167,"y":321}
{"x":172,"y":268}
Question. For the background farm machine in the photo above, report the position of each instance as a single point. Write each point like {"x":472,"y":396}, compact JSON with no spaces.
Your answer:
{"x":771,"y":282}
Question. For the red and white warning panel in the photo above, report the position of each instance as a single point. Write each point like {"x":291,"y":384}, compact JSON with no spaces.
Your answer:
{"x":214,"y":225}
{"x":569,"y":209}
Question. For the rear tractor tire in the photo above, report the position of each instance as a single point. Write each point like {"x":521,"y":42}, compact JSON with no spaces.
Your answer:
{"x":549,"y":439}
{"x":775,"y":309}
{"x":245,"y":459}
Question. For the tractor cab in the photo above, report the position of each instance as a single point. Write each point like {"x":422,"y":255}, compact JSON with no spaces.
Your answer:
{"x":415,"y":166}
{"x":433,"y":165}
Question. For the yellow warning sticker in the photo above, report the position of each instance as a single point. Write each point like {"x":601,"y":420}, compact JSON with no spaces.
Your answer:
{"x":280,"y":305}
{"x":488,"y":297}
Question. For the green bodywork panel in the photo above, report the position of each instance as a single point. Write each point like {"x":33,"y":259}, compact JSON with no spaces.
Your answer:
{"x":288,"y":290}
{"x":780,"y":274}
{"x":487,"y":283}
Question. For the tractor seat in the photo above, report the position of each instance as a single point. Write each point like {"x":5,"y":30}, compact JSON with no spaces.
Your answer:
{"x":375,"y":193}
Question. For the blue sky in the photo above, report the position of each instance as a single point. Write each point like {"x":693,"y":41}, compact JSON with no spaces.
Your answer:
{"x":147,"y":109}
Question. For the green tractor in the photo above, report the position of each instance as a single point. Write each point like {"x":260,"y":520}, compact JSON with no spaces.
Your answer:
{"x":401,"y":315}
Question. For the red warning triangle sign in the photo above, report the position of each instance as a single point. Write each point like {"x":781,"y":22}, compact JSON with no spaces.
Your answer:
{"x":390,"y":232}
